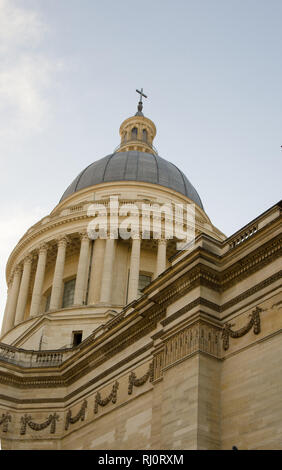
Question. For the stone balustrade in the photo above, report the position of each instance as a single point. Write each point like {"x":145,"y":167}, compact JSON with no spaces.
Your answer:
{"x":242,"y":236}
{"x":27,"y":358}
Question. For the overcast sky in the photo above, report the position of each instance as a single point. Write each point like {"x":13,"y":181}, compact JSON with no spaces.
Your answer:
{"x":68,"y":74}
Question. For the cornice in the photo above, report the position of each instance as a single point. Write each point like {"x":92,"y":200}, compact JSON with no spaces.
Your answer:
{"x":254,"y":223}
{"x":196,"y":303}
{"x":255,"y":260}
{"x":249,"y":292}
{"x":215,"y":279}
{"x":201,"y":301}
{"x":29,"y":237}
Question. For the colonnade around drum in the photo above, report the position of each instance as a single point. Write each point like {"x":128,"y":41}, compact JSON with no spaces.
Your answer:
{"x":100,"y":269}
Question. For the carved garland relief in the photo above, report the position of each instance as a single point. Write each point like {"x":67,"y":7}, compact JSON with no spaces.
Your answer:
{"x":5,"y":420}
{"x":134,"y":382}
{"x":79,"y":416}
{"x":27,"y":420}
{"x":51,"y":421}
{"x":254,"y":323}
{"x":111,"y":397}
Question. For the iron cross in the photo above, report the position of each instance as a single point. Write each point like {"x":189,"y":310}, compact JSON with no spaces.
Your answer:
{"x":141,"y":94}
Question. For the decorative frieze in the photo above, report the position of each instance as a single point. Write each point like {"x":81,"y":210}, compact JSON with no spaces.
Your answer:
{"x":104,"y":401}
{"x":199,"y":337}
{"x":26,"y":420}
{"x":254,"y":323}
{"x":134,"y":382}
{"x":4,"y":421}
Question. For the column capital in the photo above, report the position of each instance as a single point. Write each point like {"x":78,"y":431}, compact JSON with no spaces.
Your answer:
{"x":18,"y":270}
{"x":136,"y":236}
{"x":83,"y":236}
{"x":28,"y":259}
{"x":62,"y":240}
{"x":109,"y":235}
{"x":43,"y":248}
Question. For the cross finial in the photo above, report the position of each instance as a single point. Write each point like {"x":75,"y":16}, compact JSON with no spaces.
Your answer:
{"x":140,"y":104}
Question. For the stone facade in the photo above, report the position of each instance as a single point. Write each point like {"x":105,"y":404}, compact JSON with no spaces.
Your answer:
{"x":191,"y":363}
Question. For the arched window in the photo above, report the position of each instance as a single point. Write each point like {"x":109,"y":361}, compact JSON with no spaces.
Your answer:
{"x":68,"y":296}
{"x":134,"y":133}
{"x":145,"y":135}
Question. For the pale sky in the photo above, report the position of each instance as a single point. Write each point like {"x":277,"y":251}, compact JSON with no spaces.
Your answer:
{"x":68,"y":73}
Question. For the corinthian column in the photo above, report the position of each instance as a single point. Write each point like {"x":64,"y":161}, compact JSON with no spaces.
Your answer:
{"x":10,"y":311}
{"x":96,"y":271}
{"x":107,"y":278}
{"x":134,"y":269}
{"x":8,"y":322}
{"x":5,"y":318}
{"x":161,"y":257}
{"x":57,"y":286}
{"x":82,"y":270}
{"x":39,"y":279}
{"x":21,"y":304}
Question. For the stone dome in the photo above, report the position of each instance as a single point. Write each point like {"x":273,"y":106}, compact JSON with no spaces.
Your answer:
{"x":134,"y":165}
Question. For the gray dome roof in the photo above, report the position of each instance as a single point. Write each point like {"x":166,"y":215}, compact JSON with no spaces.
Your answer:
{"x":134,"y":166}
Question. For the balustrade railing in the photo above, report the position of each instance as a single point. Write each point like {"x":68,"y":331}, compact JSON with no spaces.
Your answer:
{"x":242,"y":236}
{"x":137,"y":142}
{"x":27,"y":358}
